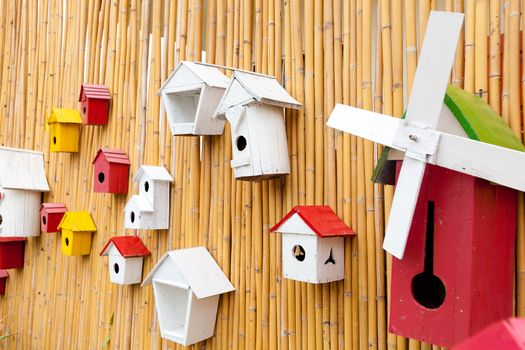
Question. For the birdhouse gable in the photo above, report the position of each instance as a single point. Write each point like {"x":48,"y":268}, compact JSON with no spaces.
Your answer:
{"x":138,"y":203}
{"x":319,"y":220}
{"x":53,"y":208}
{"x":22,"y":170}
{"x":93,"y":91}
{"x":248,"y":87}
{"x":77,"y":222}
{"x":126,"y":246}
{"x":199,"y":270}
{"x":62,"y":115}
{"x":191,"y":76}
{"x":112,"y":156}
{"x":153,"y":173}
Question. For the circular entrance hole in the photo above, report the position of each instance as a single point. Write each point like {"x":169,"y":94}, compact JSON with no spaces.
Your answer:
{"x":132,"y":216}
{"x":428,"y":290}
{"x":67,"y":242}
{"x":241,"y":143}
{"x":44,"y":220}
{"x":298,"y":252}
{"x":116,"y":267}
{"x":101,"y":177}
{"x":146,"y":186}
{"x":54,"y":140}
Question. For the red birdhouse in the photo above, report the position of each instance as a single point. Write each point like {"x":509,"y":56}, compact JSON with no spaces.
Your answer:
{"x":94,"y":103}
{"x":506,"y":334}
{"x":111,"y":171}
{"x":3,"y":279}
{"x":50,"y":216}
{"x":12,"y":252}
{"x":457,"y":273}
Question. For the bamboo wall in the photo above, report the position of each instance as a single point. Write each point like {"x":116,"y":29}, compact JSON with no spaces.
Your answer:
{"x":323,"y":52}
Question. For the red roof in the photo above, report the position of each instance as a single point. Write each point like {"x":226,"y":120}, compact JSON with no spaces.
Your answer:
{"x":95,"y":91}
{"x":321,"y":219}
{"x":127,"y":246}
{"x":4,"y":274}
{"x":53,"y":208}
{"x":113,"y":156}
{"x":12,"y":239}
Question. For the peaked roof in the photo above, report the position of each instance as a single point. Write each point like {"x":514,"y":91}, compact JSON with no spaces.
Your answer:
{"x":4,"y":274}
{"x":320,"y":218}
{"x":63,"y":115}
{"x":113,"y":156}
{"x":141,"y":202}
{"x":127,"y":246}
{"x":257,"y":87}
{"x":77,"y":221}
{"x":209,"y":75}
{"x":200,"y":271}
{"x":100,"y":92}
{"x":508,"y":334}
{"x":22,"y":169}
{"x":156,"y":173}
{"x":52,"y":208}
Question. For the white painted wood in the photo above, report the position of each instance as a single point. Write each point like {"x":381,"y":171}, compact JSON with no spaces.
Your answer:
{"x":201,"y":323}
{"x":152,"y":172}
{"x":235,"y":95}
{"x":420,"y":142}
{"x":403,"y":206}
{"x":129,"y":270}
{"x":329,"y":272}
{"x":372,"y":126}
{"x":138,"y":213}
{"x":172,"y":310}
{"x":22,"y":169}
{"x":434,"y":66}
{"x":205,"y":123}
{"x":296,"y":225}
{"x":20,"y":213}
{"x":448,"y":123}
{"x":501,"y":165}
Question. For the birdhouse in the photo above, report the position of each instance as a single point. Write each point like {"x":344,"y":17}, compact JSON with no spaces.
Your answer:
{"x":150,"y":209}
{"x":508,"y":334}
{"x":50,"y":216}
{"x":254,"y":106}
{"x":64,"y":129}
{"x":190,"y":95}
{"x":94,"y":104}
{"x":452,"y":223}
{"x":22,"y":181}
{"x":126,"y":255}
{"x":187,"y":284}
{"x":111,"y":171}
{"x":77,"y":228}
{"x":12,"y":252}
{"x":3,"y":279}
{"x":313,"y":244}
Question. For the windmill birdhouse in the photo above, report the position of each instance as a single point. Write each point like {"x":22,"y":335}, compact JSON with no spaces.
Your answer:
{"x":50,"y":216}
{"x":111,"y":171}
{"x":3,"y":280}
{"x":313,"y":244}
{"x":22,"y":181}
{"x":190,"y":96}
{"x":12,"y":252}
{"x":77,"y":228}
{"x":452,"y":222}
{"x":64,"y":129}
{"x":126,"y":256}
{"x":254,"y":106}
{"x":149,"y":209}
{"x":187,"y":284}
{"x":94,"y":104}
{"x":508,"y":334}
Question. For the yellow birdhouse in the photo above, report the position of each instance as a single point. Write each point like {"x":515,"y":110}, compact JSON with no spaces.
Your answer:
{"x":77,"y":228}
{"x":64,"y":129}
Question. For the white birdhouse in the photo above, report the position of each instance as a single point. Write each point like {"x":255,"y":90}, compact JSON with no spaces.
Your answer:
{"x":313,"y":244}
{"x":22,"y":181}
{"x":254,"y":106}
{"x":126,"y":256}
{"x":150,"y":208}
{"x":187,"y":284}
{"x":190,"y":96}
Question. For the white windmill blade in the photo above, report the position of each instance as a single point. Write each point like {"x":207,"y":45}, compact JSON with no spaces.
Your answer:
{"x":372,"y":126}
{"x":434,"y":66}
{"x":403,"y":206}
{"x":501,"y":165}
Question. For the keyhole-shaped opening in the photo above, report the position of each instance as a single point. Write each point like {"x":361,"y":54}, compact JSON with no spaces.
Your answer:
{"x":132,"y":216}
{"x":116,"y":267}
{"x":101,"y":177}
{"x":427,"y":288}
{"x":330,"y":259}
{"x":67,"y":242}
{"x":44,"y":220}
{"x":298,"y":252}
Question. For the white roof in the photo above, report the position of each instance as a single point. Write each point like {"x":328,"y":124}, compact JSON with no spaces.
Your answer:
{"x":247,"y":87}
{"x":139,"y":202}
{"x":155,"y":173}
{"x":200,"y":271}
{"x":191,"y":73}
{"x":22,"y":169}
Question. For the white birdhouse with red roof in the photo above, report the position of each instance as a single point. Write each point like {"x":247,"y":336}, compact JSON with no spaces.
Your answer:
{"x":126,"y":256}
{"x":313,"y":244}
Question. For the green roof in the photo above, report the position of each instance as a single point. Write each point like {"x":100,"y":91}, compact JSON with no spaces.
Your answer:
{"x":479,"y":121}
